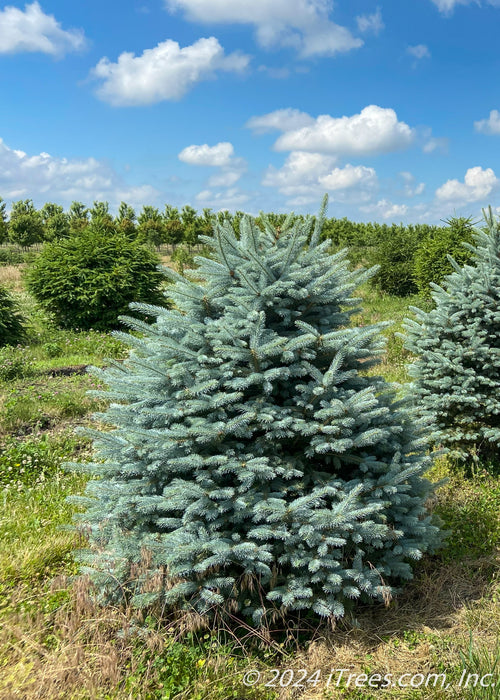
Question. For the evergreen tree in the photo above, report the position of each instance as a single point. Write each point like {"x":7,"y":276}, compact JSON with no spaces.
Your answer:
{"x":88,"y":280}
{"x":174,"y":229}
{"x":395,"y":256}
{"x":457,"y":373}
{"x":3,"y":221}
{"x":126,"y":220}
{"x":12,"y":328}
{"x":25,"y":225}
{"x":55,"y":222}
{"x":100,"y":216}
{"x":151,"y":226}
{"x":191,"y":225}
{"x":78,"y":217}
{"x":432,"y":262}
{"x":253,"y":463}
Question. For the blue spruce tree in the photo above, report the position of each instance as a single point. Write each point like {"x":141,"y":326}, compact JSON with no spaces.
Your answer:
{"x":253,"y":464}
{"x":457,"y":373}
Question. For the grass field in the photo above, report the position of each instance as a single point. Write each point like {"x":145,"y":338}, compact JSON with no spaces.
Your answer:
{"x":56,"y":643}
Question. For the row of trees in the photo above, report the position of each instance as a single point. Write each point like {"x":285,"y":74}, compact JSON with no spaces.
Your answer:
{"x":410,"y":256}
{"x":28,"y":225}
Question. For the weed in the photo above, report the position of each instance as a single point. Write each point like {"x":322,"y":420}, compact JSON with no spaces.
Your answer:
{"x":15,"y":363}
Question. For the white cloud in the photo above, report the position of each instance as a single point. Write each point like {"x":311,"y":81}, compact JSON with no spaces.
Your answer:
{"x":306,"y":176}
{"x":45,"y":177}
{"x":280,"y":120}
{"x":166,"y":72}
{"x":33,"y":30}
{"x":299,"y":174}
{"x":419,"y":51}
{"x":490,"y":125}
{"x":371,"y":23}
{"x":447,"y":6}
{"x":219,"y":156}
{"x":301,"y":24}
{"x":347,"y":177}
{"x":477,"y":185}
{"x":374,"y":130}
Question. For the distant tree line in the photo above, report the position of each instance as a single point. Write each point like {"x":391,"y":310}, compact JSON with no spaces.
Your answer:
{"x":410,"y":256}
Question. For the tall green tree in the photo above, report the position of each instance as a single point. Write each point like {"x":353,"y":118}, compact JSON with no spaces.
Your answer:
{"x":3,"y":221}
{"x":78,"y":216}
{"x":174,"y":229}
{"x":55,"y":222}
{"x":100,"y":215}
{"x":26,"y":224}
{"x":254,"y":465}
{"x":191,"y":225}
{"x":126,"y":219}
{"x":151,"y":227}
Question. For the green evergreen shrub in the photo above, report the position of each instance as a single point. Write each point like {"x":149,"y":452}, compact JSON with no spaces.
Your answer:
{"x":254,"y":466}
{"x":432,"y":263}
{"x":12,"y":255}
{"x":12,"y":328}
{"x":88,"y":280}
{"x":395,"y":256}
{"x":457,"y":373}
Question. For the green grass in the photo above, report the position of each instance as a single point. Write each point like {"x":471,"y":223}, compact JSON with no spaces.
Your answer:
{"x":33,"y":543}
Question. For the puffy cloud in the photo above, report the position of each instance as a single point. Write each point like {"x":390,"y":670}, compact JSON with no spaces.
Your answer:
{"x":490,"y":125}
{"x":219,"y":156}
{"x":45,"y":177}
{"x":166,"y":72}
{"x":302,"y":24}
{"x":34,"y":31}
{"x":419,"y":51}
{"x":477,"y":185}
{"x":372,"y":24}
{"x":305,"y":176}
{"x":348,"y":176}
{"x":280,"y":120}
{"x":375,"y":130}
{"x":299,"y":174}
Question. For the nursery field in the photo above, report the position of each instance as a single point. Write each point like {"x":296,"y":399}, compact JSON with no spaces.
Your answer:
{"x":438,"y":639}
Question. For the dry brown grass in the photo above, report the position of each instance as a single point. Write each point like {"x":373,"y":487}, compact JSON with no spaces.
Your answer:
{"x":421,"y":630}
{"x":11,"y":277}
{"x":82,"y":651}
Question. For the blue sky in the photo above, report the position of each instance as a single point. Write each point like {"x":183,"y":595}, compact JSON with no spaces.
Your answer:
{"x":390,"y":106}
